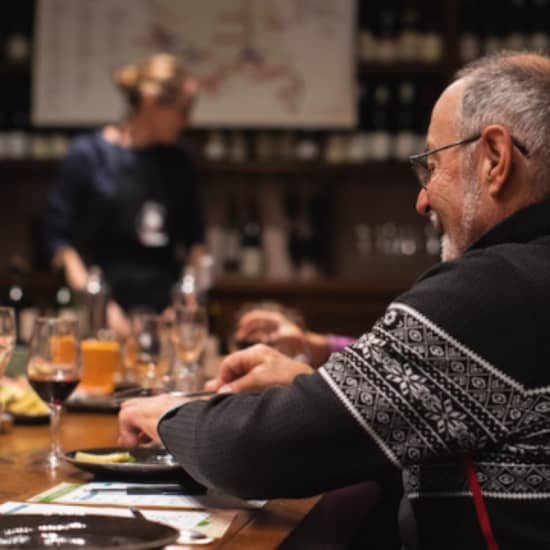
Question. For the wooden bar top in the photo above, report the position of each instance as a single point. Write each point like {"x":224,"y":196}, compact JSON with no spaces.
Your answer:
{"x":258,"y":530}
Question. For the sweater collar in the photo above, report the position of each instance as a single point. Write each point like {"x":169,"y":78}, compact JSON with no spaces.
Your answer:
{"x":523,"y":226}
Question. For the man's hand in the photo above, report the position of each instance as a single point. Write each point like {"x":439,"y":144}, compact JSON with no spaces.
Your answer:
{"x":138,"y":418}
{"x":256,"y":368}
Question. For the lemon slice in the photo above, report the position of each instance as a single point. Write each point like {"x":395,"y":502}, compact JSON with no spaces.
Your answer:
{"x":108,"y":458}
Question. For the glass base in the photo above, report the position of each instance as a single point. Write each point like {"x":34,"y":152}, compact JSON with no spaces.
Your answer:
{"x":46,"y":460}
{"x":187,"y":377}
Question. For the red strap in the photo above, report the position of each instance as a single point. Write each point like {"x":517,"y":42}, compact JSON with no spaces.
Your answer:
{"x":481,"y":510}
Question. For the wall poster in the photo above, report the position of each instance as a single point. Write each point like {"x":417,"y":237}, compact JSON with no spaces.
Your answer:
{"x":271,"y":63}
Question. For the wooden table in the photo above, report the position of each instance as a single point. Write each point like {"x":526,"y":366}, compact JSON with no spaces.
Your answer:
{"x":258,"y":530}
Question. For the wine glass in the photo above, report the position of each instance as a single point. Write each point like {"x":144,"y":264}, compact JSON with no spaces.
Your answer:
{"x":53,"y":371}
{"x":149,"y":343}
{"x":189,"y":335}
{"x":7,"y":346}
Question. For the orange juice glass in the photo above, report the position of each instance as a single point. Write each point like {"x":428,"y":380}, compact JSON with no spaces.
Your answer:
{"x":63,"y":349}
{"x":101,"y":362}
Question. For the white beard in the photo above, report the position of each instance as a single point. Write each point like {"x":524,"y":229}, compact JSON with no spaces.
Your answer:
{"x":454,"y":246}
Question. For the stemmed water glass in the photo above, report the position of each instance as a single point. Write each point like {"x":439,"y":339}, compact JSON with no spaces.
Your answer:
{"x":149,"y":348}
{"x":189,"y":335}
{"x":7,"y":345}
{"x":53,"y":370}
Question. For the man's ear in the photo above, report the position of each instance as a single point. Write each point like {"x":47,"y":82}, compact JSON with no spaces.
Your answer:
{"x":497,"y":150}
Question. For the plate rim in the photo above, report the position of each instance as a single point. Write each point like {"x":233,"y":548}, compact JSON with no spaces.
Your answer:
{"x":19,"y":418}
{"x":118,"y":466}
{"x":172,"y":534}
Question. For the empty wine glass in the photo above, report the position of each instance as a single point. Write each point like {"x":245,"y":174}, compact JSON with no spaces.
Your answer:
{"x":7,"y":345}
{"x":189,"y":335}
{"x":149,"y":346}
{"x":53,"y":371}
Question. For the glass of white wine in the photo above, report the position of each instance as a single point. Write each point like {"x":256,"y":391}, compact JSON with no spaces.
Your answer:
{"x":189,"y":336}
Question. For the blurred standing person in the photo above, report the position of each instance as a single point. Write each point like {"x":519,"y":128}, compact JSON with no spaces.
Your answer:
{"x":126,"y":195}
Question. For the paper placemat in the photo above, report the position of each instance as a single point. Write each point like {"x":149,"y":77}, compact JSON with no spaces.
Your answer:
{"x":114,"y":493}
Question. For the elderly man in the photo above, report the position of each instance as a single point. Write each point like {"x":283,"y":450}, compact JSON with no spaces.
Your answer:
{"x":452,"y":385}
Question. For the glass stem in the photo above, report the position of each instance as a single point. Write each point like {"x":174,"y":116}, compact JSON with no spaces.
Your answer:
{"x":151,"y":374}
{"x":2,"y":410}
{"x":55,"y":416}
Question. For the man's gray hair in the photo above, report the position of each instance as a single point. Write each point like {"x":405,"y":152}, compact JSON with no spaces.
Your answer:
{"x":512,"y":89}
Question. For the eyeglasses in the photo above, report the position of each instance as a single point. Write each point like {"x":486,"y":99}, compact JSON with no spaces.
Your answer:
{"x":419,"y":162}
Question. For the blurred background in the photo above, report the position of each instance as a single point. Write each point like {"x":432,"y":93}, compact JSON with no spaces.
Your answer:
{"x":316,"y":213}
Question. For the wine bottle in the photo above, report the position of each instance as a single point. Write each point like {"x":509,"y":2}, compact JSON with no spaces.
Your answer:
{"x":231,"y":240}
{"x":539,"y":39}
{"x":517,"y":23}
{"x":380,"y":139}
{"x":64,"y":299}
{"x":18,"y":296}
{"x":388,"y":48}
{"x":251,"y":264}
{"x":470,"y":35}
{"x":96,"y":297}
{"x":431,"y":43}
{"x":409,"y":38}
{"x":405,"y":139}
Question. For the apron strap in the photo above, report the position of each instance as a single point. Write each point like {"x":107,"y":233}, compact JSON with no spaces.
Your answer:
{"x":481,"y":510}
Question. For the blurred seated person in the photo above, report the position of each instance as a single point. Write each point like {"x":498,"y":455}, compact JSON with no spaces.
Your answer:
{"x":283,"y":329}
{"x":126,"y":196}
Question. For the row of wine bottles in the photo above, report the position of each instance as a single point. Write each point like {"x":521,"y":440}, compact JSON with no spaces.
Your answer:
{"x":414,"y":31}
{"x":392,"y":119}
{"x":279,"y":237}
{"x":399,"y":31}
{"x":89,"y":306}
{"x":521,"y":24}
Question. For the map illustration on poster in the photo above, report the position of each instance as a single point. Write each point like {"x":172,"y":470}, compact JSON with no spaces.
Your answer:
{"x":284,"y":63}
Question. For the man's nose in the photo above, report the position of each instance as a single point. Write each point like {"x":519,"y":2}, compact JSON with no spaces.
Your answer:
{"x":422,"y":203}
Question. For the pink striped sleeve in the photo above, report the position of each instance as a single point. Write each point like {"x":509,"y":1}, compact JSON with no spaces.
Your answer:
{"x":337,"y":343}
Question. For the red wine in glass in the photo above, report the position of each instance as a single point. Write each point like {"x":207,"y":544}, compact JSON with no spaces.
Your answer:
{"x":53,"y":371}
{"x":53,"y":391}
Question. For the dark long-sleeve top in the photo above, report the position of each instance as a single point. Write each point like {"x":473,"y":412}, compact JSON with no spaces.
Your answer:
{"x":458,"y":364}
{"x":126,"y":210}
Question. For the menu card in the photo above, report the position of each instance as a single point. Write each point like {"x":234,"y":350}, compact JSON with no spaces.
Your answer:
{"x":114,"y":493}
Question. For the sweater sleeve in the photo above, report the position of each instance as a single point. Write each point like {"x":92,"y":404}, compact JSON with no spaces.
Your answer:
{"x":66,"y":198}
{"x":416,"y":388}
{"x":285,"y":442}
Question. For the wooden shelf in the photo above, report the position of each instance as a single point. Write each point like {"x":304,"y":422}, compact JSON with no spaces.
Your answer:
{"x":13,"y":171}
{"x":390,"y":171}
{"x":401,"y":70}
{"x":15,"y":69}
{"x":236,"y":284}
